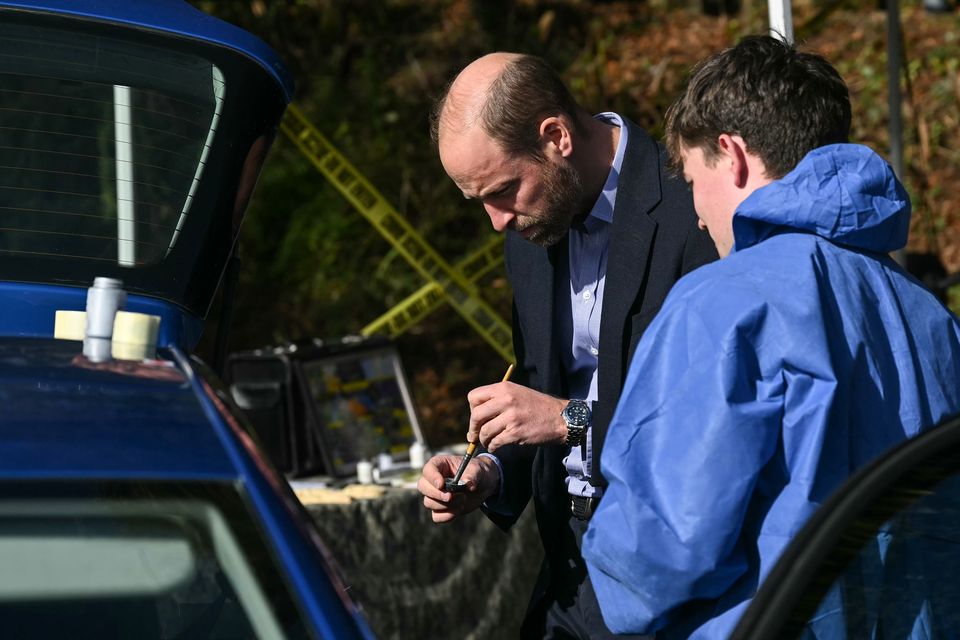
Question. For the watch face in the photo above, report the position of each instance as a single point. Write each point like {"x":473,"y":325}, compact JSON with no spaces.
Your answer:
{"x":577,"y":413}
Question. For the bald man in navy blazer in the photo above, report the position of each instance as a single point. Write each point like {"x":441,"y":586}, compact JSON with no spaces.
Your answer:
{"x":598,"y":229}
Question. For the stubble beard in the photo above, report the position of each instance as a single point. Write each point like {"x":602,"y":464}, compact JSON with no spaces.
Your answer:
{"x":564,"y":191}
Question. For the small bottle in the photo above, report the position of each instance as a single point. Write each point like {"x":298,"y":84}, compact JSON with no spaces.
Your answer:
{"x":384,"y":461}
{"x":418,"y":455}
{"x":364,"y":472}
{"x":104,"y":298}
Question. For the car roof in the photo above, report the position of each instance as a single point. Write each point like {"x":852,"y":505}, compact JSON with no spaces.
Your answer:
{"x":171,"y":16}
{"x":65,"y":417}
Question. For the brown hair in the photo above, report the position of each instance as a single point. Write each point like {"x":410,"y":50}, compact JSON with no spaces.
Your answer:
{"x":527,"y":91}
{"x":782,"y":102}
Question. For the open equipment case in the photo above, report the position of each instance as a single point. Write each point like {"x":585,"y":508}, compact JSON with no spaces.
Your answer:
{"x":319,"y":408}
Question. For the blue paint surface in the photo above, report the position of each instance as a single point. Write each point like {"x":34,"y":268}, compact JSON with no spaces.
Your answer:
{"x":64,"y":416}
{"x":29,"y":310}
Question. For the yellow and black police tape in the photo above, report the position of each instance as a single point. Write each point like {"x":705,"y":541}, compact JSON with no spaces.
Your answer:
{"x":427,"y":298}
{"x":458,"y":289}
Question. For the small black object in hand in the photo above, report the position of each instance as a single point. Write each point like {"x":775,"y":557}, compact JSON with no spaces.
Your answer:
{"x":450,"y":487}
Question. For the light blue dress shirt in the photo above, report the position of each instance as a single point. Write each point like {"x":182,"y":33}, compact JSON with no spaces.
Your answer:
{"x":579,"y":301}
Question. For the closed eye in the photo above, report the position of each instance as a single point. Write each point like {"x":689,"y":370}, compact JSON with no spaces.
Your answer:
{"x":505,"y":190}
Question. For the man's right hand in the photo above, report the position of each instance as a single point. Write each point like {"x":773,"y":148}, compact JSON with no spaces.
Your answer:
{"x":481,"y":476}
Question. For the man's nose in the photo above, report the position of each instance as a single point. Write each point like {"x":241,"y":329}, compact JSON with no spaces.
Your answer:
{"x":499,"y":218}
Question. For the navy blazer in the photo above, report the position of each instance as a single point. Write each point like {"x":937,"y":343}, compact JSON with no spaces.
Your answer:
{"x":653,"y":242}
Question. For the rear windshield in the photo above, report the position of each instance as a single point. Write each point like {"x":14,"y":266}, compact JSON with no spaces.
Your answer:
{"x":137,"y":560}
{"x":103,"y":144}
{"x":126,"y":153}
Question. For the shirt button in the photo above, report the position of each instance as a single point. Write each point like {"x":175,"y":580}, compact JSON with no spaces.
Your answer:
{"x":594,"y":350}
{"x":586,"y":295}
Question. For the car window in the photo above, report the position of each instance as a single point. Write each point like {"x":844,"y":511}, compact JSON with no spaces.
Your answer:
{"x":137,"y":560}
{"x":126,"y":152}
{"x":880,"y":559}
{"x":104,"y":142}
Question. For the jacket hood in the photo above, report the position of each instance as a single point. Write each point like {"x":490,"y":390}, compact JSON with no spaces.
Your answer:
{"x":845,"y":193}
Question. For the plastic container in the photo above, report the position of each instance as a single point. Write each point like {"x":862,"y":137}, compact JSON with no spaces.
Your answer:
{"x":104,"y":298}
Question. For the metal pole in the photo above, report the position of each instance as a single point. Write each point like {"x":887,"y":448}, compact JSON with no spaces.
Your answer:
{"x":894,"y":56}
{"x":781,"y":19}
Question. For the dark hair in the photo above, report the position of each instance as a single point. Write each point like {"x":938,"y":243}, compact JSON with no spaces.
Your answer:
{"x":782,"y":102}
{"x":526,"y":91}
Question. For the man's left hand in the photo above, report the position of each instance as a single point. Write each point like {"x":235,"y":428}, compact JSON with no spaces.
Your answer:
{"x":508,"y":413}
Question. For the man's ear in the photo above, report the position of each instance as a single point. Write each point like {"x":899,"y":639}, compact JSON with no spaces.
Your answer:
{"x":555,"y":136}
{"x":733,"y":150}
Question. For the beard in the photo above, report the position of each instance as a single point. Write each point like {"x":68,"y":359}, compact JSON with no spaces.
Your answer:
{"x":564,"y":190}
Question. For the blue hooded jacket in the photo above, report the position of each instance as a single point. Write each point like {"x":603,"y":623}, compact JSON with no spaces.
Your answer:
{"x":765,"y":380}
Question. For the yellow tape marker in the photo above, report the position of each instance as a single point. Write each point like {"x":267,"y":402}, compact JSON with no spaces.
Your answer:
{"x":429,"y":297}
{"x":459,"y":291}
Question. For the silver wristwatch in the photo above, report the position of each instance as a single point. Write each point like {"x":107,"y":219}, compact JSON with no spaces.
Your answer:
{"x":577,"y":416}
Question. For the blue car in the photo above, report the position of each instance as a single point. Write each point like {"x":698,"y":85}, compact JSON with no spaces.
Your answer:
{"x":134,"y":502}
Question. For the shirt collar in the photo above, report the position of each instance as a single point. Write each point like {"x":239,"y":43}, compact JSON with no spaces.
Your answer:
{"x":602,"y":211}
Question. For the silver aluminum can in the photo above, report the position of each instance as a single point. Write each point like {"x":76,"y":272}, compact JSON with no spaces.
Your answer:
{"x":104,"y":298}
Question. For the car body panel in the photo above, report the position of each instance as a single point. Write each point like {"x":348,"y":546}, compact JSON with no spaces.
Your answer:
{"x":164,"y":423}
{"x":133,"y":419}
{"x":36,"y":306}
{"x":309,"y":566}
{"x":67,"y":419}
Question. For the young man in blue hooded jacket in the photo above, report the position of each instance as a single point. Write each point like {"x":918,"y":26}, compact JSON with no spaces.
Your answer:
{"x":768,"y":377}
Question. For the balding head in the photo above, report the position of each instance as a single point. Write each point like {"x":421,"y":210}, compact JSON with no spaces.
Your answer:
{"x":510,"y":135}
{"x":467,"y":94}
{"x":507,"y":95}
